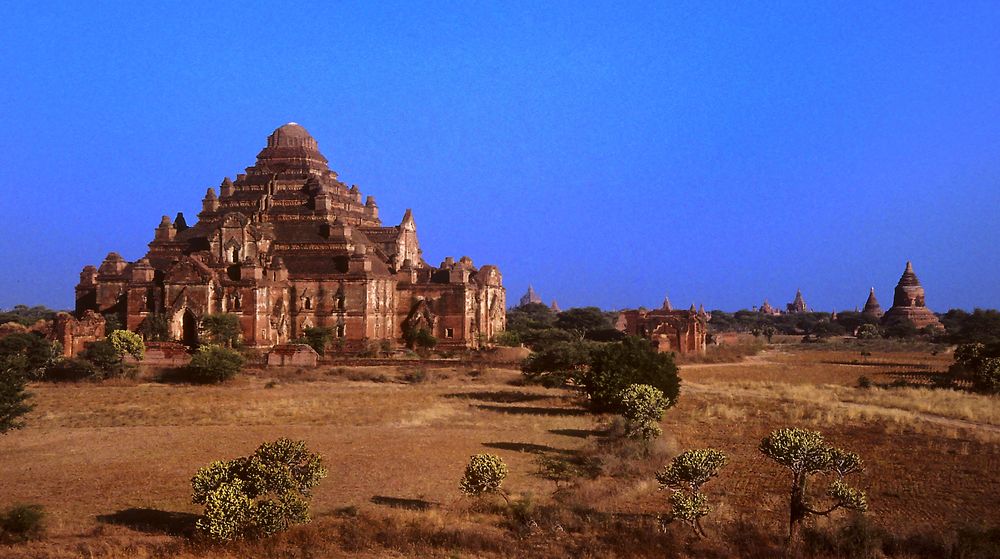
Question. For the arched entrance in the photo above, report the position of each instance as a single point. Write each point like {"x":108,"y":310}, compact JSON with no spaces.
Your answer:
{"x":189,"y":328}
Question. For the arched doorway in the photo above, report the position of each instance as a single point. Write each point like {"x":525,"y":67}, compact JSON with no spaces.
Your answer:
{"x":189,"y":328}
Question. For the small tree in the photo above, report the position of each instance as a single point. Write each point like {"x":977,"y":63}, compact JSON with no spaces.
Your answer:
{"x":214,"y":364}
{"x":684,"y":477}
{"x":805,"y":453}
{"x":257,"y":495}
{"x":980,"y":364}
{"x":642,"y":407}
{"x":127,"y":343}
{"x":104,"y":357}
{"x":222,"y":329}
{"x":13,"y":397}
{"x":27,"y":353}
{"x":868,"y":332}
{"x":614,"y":366}
{"x":484,"y":474}
{"x":317,"y":337}
{"x":155,"y":328}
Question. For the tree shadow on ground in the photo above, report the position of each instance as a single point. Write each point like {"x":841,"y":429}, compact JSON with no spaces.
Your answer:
{"x":579,"y":433}
{"x":400,"y":503}
{"x":530,"y":447}
{"x":152,"y":521}
{"x":527,"y":410}
{"x":500,"y":396}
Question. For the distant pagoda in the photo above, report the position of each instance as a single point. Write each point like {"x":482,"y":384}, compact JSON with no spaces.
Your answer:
{"x":872,"y":308}
{"x":798,"y":305}
{"x":908,"y":303}
{"x":530,"y":297}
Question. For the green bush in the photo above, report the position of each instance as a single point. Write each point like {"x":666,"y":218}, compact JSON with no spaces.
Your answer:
{"x":72,"y":369}
{"x":213,"y":363}
{"x":805,"y":453}
{"x":103,"y":356}
{"x":13,"y":397}
{"x":980,"y":364}
{"x":257,"y":495}
{"x":642,"y":408}
{"x":615,"y":366}
{"x":317,"y":338}
{"x":684,"y":476}
{"x":21,"y":523}
{"x":127,"y":343}
{"x":222,"y":329}
{"x":484,"y":474}
{"x":28,"y":353}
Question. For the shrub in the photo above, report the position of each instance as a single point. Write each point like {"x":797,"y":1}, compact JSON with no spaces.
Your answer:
{"x":104,"y":357}
{"x":317,"y":337}
{"x":559,"y":364}
{"x":868,"y":332}
{"x":222,"y":329}
{"x":980,"y":364}
{"x":484,"y":474}
{"x":21,"y":523}
{"x":257,"y":495}
{"x":126,"y":342}
{"x":72,"y":369}
{"x":806,"y":453}
{"x":214,"y":364}
{"x":642,"y":408}
{"x":684,"y":476}
{"x":615,"y":366}
{"x":13,"y":397}
{"x":28,"y":353}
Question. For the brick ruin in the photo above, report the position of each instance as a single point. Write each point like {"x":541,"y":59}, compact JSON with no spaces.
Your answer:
{"x":908,"y":303}
{"x":288,"y":246}
{"x":669,"y":330}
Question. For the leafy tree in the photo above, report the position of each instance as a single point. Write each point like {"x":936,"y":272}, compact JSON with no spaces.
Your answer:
{"x":25,"y":315}
{"x":127,"y":343}
{"x":852,"y":320}
{"x":104,"y":357}
{"x":615,"y":366}
{"x":420,"y":339}
{"x":33,"y":352}
{"x":769,"y":332}
{"x":155,"y":328}
{"x":902,"y":329}
{"x":317,"y":337}
{"x":979,"y":363}
{"x":642,"y":407}
{"x":13,"y":397}
{"x":222,"y":329}
{"x":603,"y":371}
{"x":583,"y":320}
{"x":684,"y":477}
{"x":982,"y":326}
{"x":558,"y":364}
{"x":257,"y":495}
{"x":484,"y":474}
{"x":805,"y":453}
{"x":869,"y":332}
{"x":213,"y":363}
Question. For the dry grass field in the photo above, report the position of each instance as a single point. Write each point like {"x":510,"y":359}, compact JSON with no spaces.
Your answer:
{"x":111,"y":462}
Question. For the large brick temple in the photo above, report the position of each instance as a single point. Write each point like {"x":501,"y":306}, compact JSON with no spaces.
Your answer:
{"x":288,"y":246}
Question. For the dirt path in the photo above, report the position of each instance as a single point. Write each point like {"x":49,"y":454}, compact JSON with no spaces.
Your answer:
{"x":761,"y":358}
{"x":942,"y":421}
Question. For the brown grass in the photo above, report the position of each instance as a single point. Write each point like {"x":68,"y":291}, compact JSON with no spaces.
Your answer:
{"x":395,"y":450}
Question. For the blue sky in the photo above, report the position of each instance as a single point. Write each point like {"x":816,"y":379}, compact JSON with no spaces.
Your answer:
{"x":606,"y":153}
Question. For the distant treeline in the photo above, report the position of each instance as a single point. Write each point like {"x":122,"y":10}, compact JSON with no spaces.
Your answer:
{"x":981,"y":325}
{"x":25,"y":315}
{"x":538,"y":326}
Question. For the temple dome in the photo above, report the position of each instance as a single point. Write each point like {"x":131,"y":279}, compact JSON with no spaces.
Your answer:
{"x":291,"y":135}
{"x":291,"y":147}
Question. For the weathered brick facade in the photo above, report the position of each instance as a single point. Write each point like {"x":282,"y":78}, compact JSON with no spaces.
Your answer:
{"x":287,"y":246}
{"x":667,"y":329}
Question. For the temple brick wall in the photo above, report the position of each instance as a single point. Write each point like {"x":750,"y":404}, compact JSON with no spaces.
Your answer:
{"x":287,"y":246}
